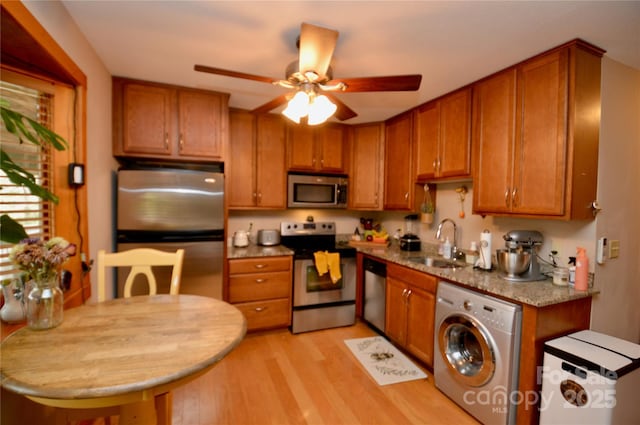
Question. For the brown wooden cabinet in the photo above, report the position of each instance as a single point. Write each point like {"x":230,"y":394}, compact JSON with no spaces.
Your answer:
{"x":256,"y":168}
{"x":442,"y":137}
{"x":366,"y":169}
{"x":317,"y":149}
{"x":535,"y":138}
{"x":410,"y":310}
{"x":159,"y":121}
{"x":398,"y":171}
{"x":261,"y":289}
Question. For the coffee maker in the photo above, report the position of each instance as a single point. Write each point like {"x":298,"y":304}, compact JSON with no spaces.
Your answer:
{"x":519,"y":261}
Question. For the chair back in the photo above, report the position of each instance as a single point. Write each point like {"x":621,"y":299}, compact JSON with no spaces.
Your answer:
{"x":140,"y":260}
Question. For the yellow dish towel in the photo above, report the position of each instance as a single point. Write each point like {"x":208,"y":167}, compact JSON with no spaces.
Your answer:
{"x":333,"y":261}
{"x":328,"y":261}
{"x":321,"y":262}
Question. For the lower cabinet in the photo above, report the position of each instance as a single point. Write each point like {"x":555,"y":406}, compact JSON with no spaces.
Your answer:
{"x":410,"y":309}
{"x":260,"y":288}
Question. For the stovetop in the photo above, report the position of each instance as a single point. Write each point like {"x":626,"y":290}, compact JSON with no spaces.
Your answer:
{"x":305,"y":238}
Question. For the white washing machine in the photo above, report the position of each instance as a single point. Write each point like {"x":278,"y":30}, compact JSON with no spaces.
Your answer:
{"x":590,"y":378}
{"x":477,"y":352}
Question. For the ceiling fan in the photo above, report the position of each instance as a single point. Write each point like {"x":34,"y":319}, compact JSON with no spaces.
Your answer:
{"x":311,"y":78}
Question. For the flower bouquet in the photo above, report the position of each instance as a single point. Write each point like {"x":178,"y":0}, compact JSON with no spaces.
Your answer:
{"x":41,"y":261}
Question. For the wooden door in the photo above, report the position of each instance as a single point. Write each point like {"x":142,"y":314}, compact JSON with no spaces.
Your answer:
{"x":541,"y":139}
{"x":420,"y":318}
{"x":330,"y":145}
{"x":365,"y":176}
{"x":147,"y":115}
{"x":454,"y":149}
{"x":426,"y":140}
{"x":398,"y":192}
{"x":200,"y":124}
{"x":396,"y":310}
{"x":241,"y":165}
{"x":271,"y":174}
{"x":494,"y":105}
{"x":301,"y":150}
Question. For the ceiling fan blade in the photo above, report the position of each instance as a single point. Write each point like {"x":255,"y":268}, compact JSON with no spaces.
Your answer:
{"x":272,"y":104}
{"x":343,"y":112}
{"x":235,"y":74}
{"x":389,"y":83}
{"x":316,"y":48}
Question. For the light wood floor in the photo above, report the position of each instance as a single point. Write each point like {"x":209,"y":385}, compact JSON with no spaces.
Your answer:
{"x":311,"y":378}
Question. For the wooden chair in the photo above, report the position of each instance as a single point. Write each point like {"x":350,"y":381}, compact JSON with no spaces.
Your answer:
{"x":140,"y":260}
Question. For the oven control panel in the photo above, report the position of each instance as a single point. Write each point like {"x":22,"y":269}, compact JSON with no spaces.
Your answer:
{"x":301,"y":228}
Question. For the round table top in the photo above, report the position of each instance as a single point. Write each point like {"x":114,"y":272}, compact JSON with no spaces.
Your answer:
{"x":121,"y":346}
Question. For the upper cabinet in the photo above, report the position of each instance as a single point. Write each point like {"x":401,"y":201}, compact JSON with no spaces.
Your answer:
{"x":159,"y":121}
{"x":535,"y":137}
{"x":442,"y":137}
{"x":366,"y":169}
{"x":256,"y":170}
{"x":398,"y":172}
{"x":317,"y":149}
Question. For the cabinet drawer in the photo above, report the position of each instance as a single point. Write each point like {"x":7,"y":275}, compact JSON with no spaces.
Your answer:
{"x":263,"y":264}
{"x":259,"y":286}
{"x":414,"y":277}
{"x":266,"y":314}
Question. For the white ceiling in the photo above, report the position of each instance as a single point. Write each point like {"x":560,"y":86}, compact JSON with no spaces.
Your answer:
{"x":451,"y":43}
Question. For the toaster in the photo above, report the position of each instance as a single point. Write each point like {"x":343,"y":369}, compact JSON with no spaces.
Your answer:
{"x":268,"y":237}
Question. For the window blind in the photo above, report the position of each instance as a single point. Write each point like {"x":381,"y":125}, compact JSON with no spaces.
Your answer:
{"x":33,"y":213}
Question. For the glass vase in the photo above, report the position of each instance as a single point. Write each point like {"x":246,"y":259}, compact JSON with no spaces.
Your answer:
{"x":44,"y":304}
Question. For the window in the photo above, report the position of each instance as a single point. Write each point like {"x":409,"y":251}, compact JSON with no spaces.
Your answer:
{"x":29,"y":210}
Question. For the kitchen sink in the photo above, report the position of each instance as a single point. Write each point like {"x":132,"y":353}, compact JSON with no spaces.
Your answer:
{"x":437,"y":262}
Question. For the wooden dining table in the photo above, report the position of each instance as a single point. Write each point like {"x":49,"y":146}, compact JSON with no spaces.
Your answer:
{"x":126,"y":353}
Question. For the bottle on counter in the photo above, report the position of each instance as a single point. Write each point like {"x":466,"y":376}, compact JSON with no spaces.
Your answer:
{"x":446,"y":249}
{"x":582,"y":270}
{"x":472,"y":255}
{"x":572,"y":271}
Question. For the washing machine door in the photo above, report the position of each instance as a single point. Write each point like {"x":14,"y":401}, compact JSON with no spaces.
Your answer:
{"x":466,"y":350}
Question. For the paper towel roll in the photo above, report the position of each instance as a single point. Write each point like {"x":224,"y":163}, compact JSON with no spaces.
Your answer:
{"x":485,"y":249}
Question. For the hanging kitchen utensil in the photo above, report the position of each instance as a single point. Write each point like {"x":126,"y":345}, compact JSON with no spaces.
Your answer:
{"x":462,"y":191}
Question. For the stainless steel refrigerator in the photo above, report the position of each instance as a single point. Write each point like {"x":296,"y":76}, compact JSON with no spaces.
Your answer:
{"x":171,"y":208}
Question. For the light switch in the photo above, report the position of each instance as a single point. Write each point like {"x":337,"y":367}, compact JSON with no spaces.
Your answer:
{"x":614,"y":248}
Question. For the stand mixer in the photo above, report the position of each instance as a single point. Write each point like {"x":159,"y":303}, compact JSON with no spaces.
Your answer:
{"x":519,"y":262}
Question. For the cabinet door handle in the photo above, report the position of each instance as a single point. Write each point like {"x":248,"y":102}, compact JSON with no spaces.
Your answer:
{"x":514,"y":200}
{"x":435,"y":164}
{"x":166,"y":140}
{"x":260,"y":309}
{"x":506,"y":198}
{"x":261,"y":280}
{"x":181,"y":142}
{"x":322,"y":162}
{"x":404,"y":292}
{"x":406,"y":196}
{"x":260,"y":266}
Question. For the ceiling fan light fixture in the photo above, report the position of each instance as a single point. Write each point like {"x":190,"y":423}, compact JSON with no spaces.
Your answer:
{"x":297,"y":107}
{"x":320,"y":110}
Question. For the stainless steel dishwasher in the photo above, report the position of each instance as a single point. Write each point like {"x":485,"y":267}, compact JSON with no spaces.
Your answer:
{"x":375,"y":282}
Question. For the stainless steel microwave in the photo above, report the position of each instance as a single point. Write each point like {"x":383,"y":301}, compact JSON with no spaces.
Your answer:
{"x":316,"y":191}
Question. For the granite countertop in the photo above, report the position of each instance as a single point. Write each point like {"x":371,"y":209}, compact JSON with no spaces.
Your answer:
{"x":538,"y":294}
{"x":258,"y":251}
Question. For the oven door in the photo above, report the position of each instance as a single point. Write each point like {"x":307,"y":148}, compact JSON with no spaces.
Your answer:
{"x":311,"y":289}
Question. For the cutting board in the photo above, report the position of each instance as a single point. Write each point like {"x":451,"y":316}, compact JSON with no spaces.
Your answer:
{"x":365,"y":244}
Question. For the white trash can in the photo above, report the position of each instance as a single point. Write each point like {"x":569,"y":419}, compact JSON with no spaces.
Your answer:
{"x":590,"y":378}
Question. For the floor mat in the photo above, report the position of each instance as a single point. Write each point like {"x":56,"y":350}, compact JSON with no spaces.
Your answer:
{"x":384,"y":362}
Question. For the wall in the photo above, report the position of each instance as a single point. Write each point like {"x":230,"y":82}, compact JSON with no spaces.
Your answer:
{"x":615,"y":311}
{"x":53,"y":16}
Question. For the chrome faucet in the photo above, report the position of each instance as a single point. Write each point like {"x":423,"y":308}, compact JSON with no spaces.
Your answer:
{"x":455,"y":254}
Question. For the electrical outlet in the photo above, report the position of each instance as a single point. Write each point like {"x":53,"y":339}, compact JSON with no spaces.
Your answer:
{"x":614,"y":248}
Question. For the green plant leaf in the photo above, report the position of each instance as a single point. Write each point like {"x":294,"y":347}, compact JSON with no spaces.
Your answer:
{"x":21,"y":177}
{"x":10,"y":230}
{"x":15,"y":124}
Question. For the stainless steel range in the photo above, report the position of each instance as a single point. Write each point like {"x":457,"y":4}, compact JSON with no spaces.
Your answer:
{"x":318,"y":303}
